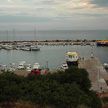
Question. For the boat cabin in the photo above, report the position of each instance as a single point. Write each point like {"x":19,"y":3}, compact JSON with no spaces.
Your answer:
{"x":72,"y":58}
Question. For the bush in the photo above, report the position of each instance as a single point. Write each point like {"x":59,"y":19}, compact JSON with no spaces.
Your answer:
{"x":67,"y":89}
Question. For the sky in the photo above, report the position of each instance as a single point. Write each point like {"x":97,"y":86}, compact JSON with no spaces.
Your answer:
{"x":54,"y":14}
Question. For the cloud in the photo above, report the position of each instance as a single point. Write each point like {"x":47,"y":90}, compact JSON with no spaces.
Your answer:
{"x":51,"y":8}
{"x":10,"y":1}
{"x":51,"y":11}
{"x":99,"y":3}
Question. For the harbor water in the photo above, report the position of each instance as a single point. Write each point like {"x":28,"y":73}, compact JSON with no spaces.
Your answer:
{"x":53,"y":55}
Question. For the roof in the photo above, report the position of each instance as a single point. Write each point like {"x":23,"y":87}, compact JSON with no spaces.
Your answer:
{"x":71,"y":53}
{"x":105,"y":41}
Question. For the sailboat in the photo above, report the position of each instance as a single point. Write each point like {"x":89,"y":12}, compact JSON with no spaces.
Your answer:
{"x":8,"y":46}
{"x":35,"y":46}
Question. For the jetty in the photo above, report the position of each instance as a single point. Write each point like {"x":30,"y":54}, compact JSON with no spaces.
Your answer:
{"x":97,"y":73}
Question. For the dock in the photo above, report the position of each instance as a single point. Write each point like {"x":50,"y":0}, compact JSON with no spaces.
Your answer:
{"x":97,"y":73}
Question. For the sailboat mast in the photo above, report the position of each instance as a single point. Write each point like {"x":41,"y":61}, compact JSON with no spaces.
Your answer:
{"x":7,"y":35}
{"x":35,"y":37}
{"x":14,"y":35}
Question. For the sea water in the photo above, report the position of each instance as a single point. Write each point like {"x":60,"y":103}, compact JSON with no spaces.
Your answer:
{"x":16,"y":35}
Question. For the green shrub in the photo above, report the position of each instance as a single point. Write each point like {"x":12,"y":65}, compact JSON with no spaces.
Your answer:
{"x":67,"y":89}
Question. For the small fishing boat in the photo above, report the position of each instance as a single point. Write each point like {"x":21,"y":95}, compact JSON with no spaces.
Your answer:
{"x":64,"y":66}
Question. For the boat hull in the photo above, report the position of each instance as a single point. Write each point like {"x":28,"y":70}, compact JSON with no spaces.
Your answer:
{"x":35,"y":49}
{"x":102,"y":44}
{"x":74,"y":63}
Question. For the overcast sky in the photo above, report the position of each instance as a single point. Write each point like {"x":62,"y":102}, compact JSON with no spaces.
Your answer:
{"x":54,"y":14}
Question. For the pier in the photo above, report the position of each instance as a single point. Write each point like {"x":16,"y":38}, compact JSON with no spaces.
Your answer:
{"x":97,"y":73}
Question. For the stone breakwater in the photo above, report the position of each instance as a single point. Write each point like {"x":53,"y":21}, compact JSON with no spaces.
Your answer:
{"x":51,"y":42}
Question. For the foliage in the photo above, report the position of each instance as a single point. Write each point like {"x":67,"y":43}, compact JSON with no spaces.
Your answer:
{"x":67,"y":89}
{"x":105,"y":99}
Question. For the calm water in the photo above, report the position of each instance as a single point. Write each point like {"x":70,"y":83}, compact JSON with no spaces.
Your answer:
{"x":53,"y":35}
{"x":55,"y":55}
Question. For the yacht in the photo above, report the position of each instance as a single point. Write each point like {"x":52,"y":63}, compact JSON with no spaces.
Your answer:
{"x":35,"y":47}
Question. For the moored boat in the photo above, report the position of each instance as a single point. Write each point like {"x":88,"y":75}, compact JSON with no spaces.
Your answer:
{"x":105,"y":65}
{"x":36,"y":66}
{"x":102,"y":43}
{"x":34,"y":48}
{"x":26,"y":49}
{"x":72,"y":58}
{"x":21,"y":65}
{"x":12,"y":67}
{"x":28,"y":67}
{"x":64,"y":66}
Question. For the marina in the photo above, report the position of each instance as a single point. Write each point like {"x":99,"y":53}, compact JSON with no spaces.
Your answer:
{"x":51,"y":53}
{"x":97,"y":73}
{"x":54,"y":54}
{"x":25,"y":57}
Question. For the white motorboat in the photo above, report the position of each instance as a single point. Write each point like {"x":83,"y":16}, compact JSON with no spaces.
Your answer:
{"x":36,"y":66}
{"x":28,"y":67}
{"x":7,"y":47}
{"x":64,"y":66}
{"x":34,"y":48}
{"x":21,"y":65}
{"x":26,"y":49}
{"x":105,"y":65}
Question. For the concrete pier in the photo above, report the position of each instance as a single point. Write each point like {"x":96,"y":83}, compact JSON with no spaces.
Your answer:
{"x":97,"y":73}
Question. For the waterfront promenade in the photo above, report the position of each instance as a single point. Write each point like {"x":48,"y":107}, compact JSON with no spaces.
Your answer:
{"x":97,"y":73}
